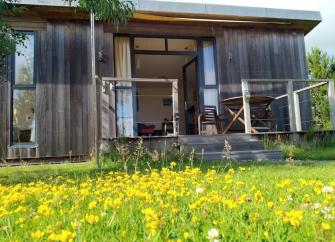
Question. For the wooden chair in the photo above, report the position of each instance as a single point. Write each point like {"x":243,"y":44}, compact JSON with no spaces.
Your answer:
{"x":209,"y":117}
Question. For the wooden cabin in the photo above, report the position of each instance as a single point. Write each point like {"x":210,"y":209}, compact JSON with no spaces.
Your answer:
{"x":154,"y":75}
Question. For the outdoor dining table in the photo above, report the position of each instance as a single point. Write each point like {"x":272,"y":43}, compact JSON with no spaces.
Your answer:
{"x":234,"y":106}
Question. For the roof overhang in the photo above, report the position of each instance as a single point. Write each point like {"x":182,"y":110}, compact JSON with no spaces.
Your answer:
{"x":201,"y":12}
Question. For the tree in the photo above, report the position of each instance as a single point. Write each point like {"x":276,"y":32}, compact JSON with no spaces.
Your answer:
{"x":9,"y":38}
{"x":321,"y":66}
{"x":114,"y":11}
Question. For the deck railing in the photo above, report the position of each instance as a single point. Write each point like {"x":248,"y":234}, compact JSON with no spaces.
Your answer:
{"x":174,"y":85}
{"x":292,"y":97}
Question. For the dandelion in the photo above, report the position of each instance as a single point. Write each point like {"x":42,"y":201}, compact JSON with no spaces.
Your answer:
{"x":173,"y":164}
{"x":186,"y":235}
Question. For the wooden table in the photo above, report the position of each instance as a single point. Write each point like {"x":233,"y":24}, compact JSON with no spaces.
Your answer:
{"x":234,"y":106}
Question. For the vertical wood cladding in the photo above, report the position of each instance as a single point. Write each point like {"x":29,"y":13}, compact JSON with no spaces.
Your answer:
{"x":64,"y":95}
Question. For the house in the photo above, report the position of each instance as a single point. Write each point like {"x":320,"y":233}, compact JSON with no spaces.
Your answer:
{"x":204,"y":51}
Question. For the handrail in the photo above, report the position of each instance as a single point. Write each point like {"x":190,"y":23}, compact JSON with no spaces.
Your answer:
{"x":173,"y":82}
{"x":293,"y":99}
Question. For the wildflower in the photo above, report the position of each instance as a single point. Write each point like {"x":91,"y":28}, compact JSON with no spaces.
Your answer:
{"x":186,"y":235}
{"x":325,"y":226}
{"x":38,"y":234}
{"x":293,"y":217}
{"x":258,"y":196}
{"x":173,"y":164}
{"x":199,"y":190}
{"x":213,"y":234}
{"x":270,"y":204}
{"x":91,"y":219}
{"x":327,"y":189}
{"x":242,"y":168}
{"x":266,"y":234}
{"x":92,"y":205}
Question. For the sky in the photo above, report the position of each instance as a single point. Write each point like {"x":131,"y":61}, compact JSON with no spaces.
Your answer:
{"x":323,"y":36}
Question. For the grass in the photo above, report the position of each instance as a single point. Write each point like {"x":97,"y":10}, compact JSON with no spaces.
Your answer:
{"x":309,"y":153}
{"x":267,"y":201}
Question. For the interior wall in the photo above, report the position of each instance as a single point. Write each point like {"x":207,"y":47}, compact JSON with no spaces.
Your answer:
{"x":162,"y":66}
{"x":150,"y":105}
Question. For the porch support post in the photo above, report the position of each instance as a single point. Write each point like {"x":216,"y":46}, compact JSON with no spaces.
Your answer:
{"x":94,"y":89}
{"x":291,"y":111}
{"x":297,"y":112}
{"x":175,"y":111}
{"x":246,"y":106}
{"x":331,"y":98}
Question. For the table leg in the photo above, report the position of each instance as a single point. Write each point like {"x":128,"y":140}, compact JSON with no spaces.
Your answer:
{"x":235,"y":117}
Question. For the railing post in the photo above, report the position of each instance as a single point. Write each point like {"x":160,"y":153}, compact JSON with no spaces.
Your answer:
{"x":175,"y":108}
{"x":297,"y":111}
{"x":291,"y":111}
{"x":246,"y":106}
{"x":331,"y":98}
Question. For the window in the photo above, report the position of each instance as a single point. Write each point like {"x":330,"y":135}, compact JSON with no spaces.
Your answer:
{"x":23,"y":125}
{"x":149,"y":44}
{"x":182,"y":45}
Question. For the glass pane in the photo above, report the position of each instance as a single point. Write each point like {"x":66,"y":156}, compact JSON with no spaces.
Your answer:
{"x":182,"y":45}
{"x":24,"y":62}
{"x":209,"y":63}
{"x":149,"y":44}
{"x":124,"y":112}
{"x":24,"y":116}
{"x":211,"y":97}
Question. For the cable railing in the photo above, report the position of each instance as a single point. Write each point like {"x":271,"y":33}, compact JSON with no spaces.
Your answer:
{"x":290,"y":99}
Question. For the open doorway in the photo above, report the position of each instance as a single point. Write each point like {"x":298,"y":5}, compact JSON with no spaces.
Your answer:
{"x":154,"y":101}
{"x":144,"y":108}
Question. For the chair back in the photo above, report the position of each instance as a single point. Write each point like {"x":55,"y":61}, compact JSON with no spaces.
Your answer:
{"x":209,"y":114}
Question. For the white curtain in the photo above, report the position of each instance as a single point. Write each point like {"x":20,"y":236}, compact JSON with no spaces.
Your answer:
{"x":124,"y":97}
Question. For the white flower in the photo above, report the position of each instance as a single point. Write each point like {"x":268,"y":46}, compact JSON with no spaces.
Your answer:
{"x":199,"y":190}
{"x":327,"y":189}
{"x":316,"y":206}
{"x":289,"y":198}
{"x":329,"y":216}
{"x":213,"y":234}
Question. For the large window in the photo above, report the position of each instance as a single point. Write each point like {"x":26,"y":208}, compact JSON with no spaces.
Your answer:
{"x":23,"y":124}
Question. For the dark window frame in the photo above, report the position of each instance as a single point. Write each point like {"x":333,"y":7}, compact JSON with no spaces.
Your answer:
{"x":15,"y":86}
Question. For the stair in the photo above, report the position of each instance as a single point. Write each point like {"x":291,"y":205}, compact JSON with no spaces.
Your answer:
{"x":244,"y":147}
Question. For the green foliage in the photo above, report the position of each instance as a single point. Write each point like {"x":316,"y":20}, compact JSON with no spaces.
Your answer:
{"x":114,"y":11}
{"x":321,"y":66}
{"x":9,"y":38}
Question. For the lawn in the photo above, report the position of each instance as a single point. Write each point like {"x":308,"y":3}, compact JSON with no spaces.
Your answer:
{"x":291,"y":201}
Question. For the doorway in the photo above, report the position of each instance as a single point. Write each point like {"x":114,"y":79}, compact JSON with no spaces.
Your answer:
{"x":191,"y":61}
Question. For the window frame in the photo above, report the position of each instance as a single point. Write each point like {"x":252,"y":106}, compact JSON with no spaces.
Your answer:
{"x":14,"y":86}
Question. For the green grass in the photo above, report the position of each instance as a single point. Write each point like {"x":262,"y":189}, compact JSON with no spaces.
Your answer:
{"x":258,"y":201}
{"x":309,"y":153}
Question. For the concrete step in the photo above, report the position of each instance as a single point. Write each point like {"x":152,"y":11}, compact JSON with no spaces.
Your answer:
{"x":197,"y":139}
{"x":250,"y":155}
{"x":219,"y":146}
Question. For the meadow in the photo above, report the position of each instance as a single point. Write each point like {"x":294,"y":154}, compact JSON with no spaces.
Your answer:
{"x":289,"y":201}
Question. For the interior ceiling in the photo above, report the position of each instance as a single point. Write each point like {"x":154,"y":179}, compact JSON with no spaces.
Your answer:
{"x":160,"y":66}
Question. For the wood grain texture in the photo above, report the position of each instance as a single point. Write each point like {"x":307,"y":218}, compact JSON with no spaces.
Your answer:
{"x":65,"y":121}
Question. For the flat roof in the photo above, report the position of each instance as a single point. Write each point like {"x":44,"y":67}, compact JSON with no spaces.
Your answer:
{"x":211,"y":11}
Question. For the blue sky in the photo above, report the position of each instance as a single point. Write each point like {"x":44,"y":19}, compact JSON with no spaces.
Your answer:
{"x":323,"y":36}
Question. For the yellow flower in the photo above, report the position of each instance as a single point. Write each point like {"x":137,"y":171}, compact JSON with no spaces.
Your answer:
{"x":186,"y":235}
{"x":293,"y":217}
{"x":173,"y":164}
{"x":270,"y":204}
{"x":38,"y":234}
{"x":326,"y":226}
{"x":92,"y":205}
{"x":91,"y":219}
{"x":242,"y":168}
{"x":266,"y":234}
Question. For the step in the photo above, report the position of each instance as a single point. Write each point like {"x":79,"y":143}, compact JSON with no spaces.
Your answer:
{"x":251,"y":155}
{"x":219,"y":146}
{"x":196,"y":139}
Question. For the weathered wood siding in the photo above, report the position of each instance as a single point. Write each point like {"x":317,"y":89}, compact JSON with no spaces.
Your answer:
{"x":263,"y":54}
{"x":65,"y":118}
